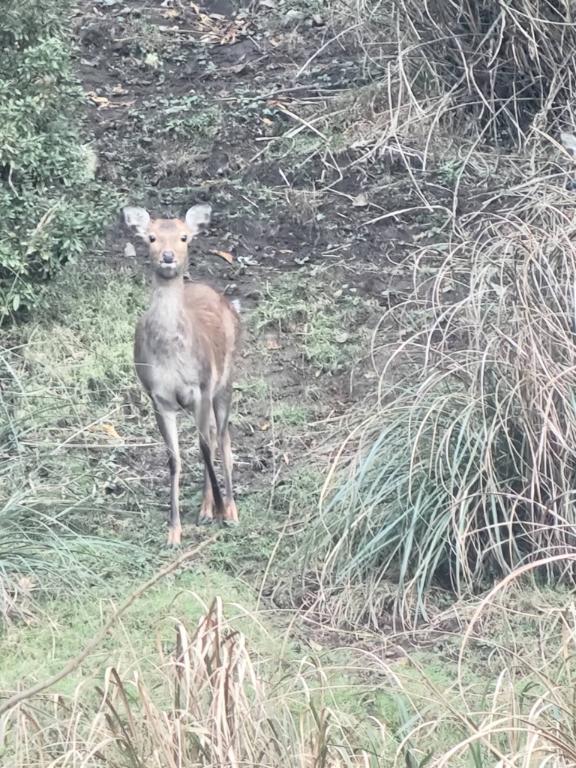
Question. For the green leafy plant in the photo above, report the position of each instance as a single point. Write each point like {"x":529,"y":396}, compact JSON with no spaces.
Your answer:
{"x":50,"y":207}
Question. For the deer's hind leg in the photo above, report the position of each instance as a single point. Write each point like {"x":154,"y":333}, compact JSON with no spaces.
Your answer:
{"x":208,"y":441}
{"x":212,"y":498}
{"x":222,"y":403}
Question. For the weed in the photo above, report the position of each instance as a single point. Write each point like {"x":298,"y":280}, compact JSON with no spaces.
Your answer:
{"x":290,"y":415}
{"x":186,"y":117}
{"x":327,"y":330}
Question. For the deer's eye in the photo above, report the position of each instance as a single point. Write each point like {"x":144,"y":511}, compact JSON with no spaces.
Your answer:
{"x":152,"y":238}
{"x":184,"y":238}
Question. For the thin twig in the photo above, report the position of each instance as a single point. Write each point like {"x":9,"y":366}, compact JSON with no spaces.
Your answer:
{"x":75,"y":662}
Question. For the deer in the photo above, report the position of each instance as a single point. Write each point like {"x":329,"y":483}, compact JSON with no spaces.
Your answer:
{"x":185,"y":346}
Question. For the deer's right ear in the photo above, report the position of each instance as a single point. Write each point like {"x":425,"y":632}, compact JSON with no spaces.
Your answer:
{"x":198,"y":216}
{"x":137,"y":219}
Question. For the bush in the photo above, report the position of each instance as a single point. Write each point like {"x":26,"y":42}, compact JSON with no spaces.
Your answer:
{"x":50,"y":207}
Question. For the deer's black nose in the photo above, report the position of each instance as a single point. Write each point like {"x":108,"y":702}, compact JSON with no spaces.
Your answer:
{"x":167,"y":257}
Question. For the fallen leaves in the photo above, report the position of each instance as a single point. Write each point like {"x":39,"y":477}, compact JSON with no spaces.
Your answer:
{"x":226,"y":255}
{"x":108,"y":429}
{"x":216,"y":29}
{"x":103,"y":102}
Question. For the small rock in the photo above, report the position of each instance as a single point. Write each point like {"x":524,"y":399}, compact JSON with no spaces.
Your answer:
{"x":292,"y":17}
{"x":360,"y":201}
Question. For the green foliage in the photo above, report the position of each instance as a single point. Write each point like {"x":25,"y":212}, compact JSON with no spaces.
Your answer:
{"x":329,"y":331}
{"x":50,"y":206}
{"x":186,"y":117}
{"x":62,"y":377}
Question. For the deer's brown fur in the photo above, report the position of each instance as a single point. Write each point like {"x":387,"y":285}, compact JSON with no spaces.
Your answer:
{"x":184,"y":351}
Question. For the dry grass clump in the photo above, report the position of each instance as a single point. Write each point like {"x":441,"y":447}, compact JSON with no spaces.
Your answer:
{"x":206,"y":700}
{"x":467,"y":468}
{"x":505,"y":63}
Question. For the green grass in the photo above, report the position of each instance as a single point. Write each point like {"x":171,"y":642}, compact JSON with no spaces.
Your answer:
{"x":328,"y":333}
{"x":62,"y":628}
{"x":185,"y":117}
{"x":291,"y":414}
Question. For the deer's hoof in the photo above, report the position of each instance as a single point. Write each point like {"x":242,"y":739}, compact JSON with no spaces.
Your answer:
{"x":174,"y":537}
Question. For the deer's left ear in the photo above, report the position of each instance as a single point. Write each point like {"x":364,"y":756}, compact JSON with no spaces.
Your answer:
{"x":198,"y":216}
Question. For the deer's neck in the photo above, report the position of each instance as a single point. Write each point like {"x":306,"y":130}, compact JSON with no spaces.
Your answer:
{"x":167,"y":302}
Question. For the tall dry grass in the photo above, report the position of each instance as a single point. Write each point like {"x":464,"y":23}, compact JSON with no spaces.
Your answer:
{"x":465,"y":468}
{"x":205,"y":699}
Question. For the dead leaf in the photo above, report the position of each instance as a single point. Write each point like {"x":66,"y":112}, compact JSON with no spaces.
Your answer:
{"x":226,"y":255}
{"x":170,"y":13}
{"x":119,"y":90}
{"x":103,"y":103}
{"x":129,"y":251}
{"x":264,"y":426}
{"x":110,"y":430}
{"x":272,"y":342}
{"x":100,"y":101}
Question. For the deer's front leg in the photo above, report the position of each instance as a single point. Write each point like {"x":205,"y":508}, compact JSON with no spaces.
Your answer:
{"x":168,"y":426}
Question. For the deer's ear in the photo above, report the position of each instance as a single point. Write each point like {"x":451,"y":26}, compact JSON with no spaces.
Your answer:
{"x":198,"y":216}
{"x":137,"y":219}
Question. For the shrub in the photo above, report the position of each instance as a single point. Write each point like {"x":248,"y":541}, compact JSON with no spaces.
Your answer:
{"x":50,"y":207}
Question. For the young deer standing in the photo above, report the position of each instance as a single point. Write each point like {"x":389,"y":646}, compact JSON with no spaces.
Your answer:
{"x":184,"y":354}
